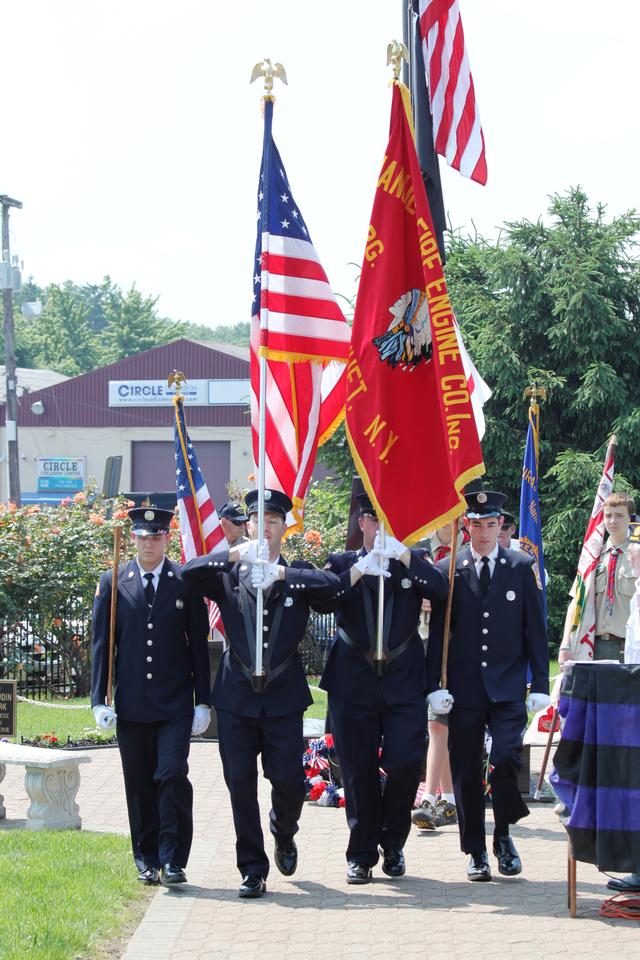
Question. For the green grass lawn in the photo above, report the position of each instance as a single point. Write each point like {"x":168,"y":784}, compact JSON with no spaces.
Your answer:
{"x":36,"y":721}
{"x":64,"y":891}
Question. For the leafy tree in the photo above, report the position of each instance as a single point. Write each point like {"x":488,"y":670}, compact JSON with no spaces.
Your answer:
{"x":557,"y":304}
{"x":132,"y":324}
{"x":61,"y":337}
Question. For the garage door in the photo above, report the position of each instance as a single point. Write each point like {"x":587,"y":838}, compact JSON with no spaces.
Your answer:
{"x":154,"y":466}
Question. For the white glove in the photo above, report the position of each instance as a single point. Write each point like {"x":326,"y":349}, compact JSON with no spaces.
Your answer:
{"x":105,"y":717}
{"x":249,"y":550}
{"x":369,"y":565}
{"x":201,"y":719}
{"x":440,"y":701}
{"x":263,"y":574}
{"x":393,"y":549}
{"x":537,"y":702}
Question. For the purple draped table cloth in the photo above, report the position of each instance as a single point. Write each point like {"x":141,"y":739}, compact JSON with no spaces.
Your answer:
{"x":597,"y":764}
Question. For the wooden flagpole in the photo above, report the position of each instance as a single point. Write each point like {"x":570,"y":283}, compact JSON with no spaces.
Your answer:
{"x":447,"y":615}
{"x":117,"y":533}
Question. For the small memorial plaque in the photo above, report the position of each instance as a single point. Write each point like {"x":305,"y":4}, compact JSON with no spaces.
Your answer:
{"x":8,"y":707}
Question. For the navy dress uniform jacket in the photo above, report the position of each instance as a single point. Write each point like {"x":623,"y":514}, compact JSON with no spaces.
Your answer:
{"x":493,"y":638}
{"x":285,"y":615}
{"x":161,"y":657}
{"x":347,"y":674}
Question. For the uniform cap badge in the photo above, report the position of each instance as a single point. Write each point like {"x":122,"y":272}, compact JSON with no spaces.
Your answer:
{"x":481,"y":497}
{"x":149,"y":515}
{"x":288,"y":601}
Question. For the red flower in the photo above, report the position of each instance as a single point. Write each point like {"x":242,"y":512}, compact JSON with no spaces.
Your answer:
{"x":328,"y":739}
{"x":316,"y":791}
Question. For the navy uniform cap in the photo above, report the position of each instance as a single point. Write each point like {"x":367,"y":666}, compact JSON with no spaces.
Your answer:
{"x":508,"y":518}
{"x":147,"y":521}
{"x":366,"y":507}
{"x":484,"y":503}
{"x":234,"y":511}
{"x":275,"y":501}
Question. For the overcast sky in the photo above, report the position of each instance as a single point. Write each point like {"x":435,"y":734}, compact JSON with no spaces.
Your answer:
{"x":133,"y":138}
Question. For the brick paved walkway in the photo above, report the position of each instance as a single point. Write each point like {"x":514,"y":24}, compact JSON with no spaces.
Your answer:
{"x":432,"y":913}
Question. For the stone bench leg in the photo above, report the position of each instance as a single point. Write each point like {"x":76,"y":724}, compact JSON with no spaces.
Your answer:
{"x":53,"y":793}
{"x":3,"y":812}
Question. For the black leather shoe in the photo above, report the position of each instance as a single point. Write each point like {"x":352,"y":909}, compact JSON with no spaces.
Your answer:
{"x":286,"y":855}
{"x":252,"y":886}
{"x":509,"y":863}
{"x":149,"y":876}
{"x":478,"y":867}
{"x":630,"y":884}
{"x":393,"y":863}
{"x":358,"y":872}
{"x":171,"y":873}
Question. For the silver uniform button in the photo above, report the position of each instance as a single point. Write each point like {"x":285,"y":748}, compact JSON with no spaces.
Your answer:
{"x":484,"y":630}
{"x":265,"y":645}
{"x":149,"y":659}
{"x":265,"y":613}
{"x":149,"y":676}
{"x":484,"y":663}
{"x":484,"y":646}
{"x":265,"y":628}
{"x":485,"y":614}
{"x":149,"y":643}
{"x":149,"y":626}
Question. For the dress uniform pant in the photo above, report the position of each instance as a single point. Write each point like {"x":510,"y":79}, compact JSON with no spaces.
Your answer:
{"x":379,"y":815}
{"x":506,"y":723}
{"x":279,"y":741}
{"x":159,"y":795}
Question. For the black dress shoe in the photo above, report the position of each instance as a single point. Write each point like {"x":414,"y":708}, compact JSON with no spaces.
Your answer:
{"x":171,"y":873}
{"x":358,"y":872}
{"x":149,"y":876}
{"x":478,"y":868}
{"x":630,"y":884}
{"x":393,"y":863}
{"x":509,"y":863}
{"x":286,"y":855}
{"x":252,"y":886}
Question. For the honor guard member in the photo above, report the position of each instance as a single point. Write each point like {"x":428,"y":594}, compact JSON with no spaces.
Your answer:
{"x":233,"y":520}
{"x":369,"y":711}
{"x":161,"y":670}
{"x":497,"y":628}
{"x":264,"y":716}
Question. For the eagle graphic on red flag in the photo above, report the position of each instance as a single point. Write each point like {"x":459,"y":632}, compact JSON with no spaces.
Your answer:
{"x":409,"y":415}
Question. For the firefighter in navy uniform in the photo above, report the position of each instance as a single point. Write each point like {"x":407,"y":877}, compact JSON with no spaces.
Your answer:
{"x":161,"y":680}
{"x":497,"y":628}
{"x":262,"y":718}
{"x":370,"y":711}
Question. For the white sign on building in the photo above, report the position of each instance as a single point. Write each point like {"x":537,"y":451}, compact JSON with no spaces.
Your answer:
{"x":61,"y":474}
{"x":197,"y":393}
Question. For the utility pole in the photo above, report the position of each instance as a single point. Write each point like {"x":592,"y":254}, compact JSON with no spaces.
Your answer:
{"x":11,"y":406}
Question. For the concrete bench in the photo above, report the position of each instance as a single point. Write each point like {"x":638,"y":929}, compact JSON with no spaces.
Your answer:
{"x":52,"y":778}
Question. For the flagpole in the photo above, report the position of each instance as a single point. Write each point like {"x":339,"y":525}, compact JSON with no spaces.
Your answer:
{"x":266,"y":70}
{"x":379,"y":657}
{"x":447,"y":615}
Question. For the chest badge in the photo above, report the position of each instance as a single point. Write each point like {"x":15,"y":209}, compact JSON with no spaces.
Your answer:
{"x":179,"y":604}
{"x":405,"y":583}
{"x":511,"y":595}
{"x":288,"y":602}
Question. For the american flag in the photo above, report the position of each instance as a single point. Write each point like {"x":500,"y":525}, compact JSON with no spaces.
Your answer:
{"x":457,"y":131}
{"x":299,"y":328}
{"x":200,"y":528}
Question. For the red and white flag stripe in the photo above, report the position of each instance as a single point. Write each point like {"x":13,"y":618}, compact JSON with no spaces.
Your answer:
{"x":457,"y":131}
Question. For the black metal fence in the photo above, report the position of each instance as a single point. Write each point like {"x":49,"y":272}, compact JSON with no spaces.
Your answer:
{"x":52,"y":657}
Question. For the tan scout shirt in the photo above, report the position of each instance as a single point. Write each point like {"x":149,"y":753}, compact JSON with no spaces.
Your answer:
{"x":616,"y":622}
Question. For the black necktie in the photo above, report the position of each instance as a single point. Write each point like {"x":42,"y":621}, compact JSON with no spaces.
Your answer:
{"x":149,"y":592}
{"x":485,"y":576}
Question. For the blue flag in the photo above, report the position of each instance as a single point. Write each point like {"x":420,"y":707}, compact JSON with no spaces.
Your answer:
{"x":530,"y":521}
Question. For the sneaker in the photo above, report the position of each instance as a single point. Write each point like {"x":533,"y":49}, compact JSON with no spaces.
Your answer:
{"x":446,"y":813}
{"x":425,"y":816}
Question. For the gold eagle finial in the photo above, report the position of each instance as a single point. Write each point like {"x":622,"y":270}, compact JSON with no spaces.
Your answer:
{"x":267,"y":70}
{"x":396,"y":53}
{"x":176,"y":379}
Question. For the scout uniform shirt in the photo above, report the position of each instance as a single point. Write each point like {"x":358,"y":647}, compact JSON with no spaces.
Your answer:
{"x":613,"y":620}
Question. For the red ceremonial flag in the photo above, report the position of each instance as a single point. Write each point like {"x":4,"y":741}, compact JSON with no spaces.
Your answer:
{"x":457,"y":131}
{"x":409,"y":414}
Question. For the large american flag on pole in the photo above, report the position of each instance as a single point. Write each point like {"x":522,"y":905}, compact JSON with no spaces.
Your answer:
{"x":298,"y":326}
{"x":457,"y":131}
{"x":200,"y":528}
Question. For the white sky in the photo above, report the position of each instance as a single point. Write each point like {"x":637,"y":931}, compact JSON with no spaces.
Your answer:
{"x":133,"y":138}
